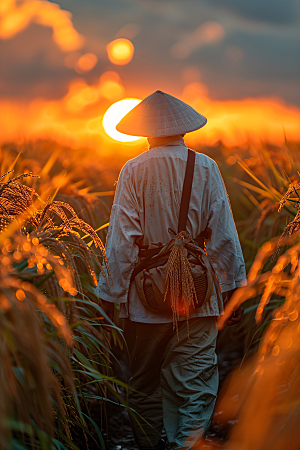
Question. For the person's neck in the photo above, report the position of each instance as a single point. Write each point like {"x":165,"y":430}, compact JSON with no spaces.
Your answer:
{"x":165,"y":140}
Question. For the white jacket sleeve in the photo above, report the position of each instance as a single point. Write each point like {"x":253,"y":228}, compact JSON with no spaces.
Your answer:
{"x":121,"y":248}
{"x":223,"y":248}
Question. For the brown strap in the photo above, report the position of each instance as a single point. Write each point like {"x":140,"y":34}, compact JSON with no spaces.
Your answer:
{"x":151,"y":260}
{"x":184,"y":205}
{"x":186,"y":191}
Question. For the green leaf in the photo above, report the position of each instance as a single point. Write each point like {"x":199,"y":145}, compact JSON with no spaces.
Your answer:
{"x":99,"y":434}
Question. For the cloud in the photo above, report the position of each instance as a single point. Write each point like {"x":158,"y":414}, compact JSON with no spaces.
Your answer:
{"x":207,"y":33}
{"x":32,"y":67}
{"x":15,"y":17}
{"x":228,"y":55}
{"x":236,"y":53}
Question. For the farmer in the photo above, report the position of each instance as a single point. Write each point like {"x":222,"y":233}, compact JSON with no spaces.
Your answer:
{"x":174,"y":377}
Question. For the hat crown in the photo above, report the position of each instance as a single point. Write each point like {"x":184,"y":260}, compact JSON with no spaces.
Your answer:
{"x":161,"y":114}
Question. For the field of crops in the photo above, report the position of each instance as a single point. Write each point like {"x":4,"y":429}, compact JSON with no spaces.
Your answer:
{"x":57,"y":376}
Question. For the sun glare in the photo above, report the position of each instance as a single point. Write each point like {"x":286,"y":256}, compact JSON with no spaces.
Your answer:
{"x":120,"y":51}
{"x":113,"y":116}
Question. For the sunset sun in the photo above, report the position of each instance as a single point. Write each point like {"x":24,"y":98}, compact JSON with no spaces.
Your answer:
{"x":113,"y":116}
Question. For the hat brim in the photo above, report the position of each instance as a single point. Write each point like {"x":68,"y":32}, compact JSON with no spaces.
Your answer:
{"x":160,"y":115}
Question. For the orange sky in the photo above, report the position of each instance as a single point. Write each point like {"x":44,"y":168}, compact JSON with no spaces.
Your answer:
{"x":75,"y":118}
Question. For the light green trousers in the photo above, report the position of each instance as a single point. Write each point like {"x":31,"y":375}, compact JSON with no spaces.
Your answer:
{"x":174,"y":384}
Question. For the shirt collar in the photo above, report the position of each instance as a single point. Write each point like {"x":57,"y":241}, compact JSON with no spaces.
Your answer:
{"x":165,"y":141}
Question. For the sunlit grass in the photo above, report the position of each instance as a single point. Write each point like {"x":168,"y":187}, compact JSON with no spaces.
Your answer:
{"x":51,"y":259}
{"x":53,"y":345}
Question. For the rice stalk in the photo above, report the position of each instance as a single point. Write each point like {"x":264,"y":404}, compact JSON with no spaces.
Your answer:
{"x":263,"y":396}
{"x":16,"y":198}
{"x":179,"y":280}
{"x":28,"y":384}
{"x":258,"y":221}
{"x":22,"y":348}
{"x":52,"y":226}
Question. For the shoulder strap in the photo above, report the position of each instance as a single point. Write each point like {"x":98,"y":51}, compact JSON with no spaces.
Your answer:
{"x":186,"y":191}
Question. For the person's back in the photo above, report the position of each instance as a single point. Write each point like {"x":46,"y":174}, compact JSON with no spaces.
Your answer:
{"x":174,"y":381}
{"x":157,"y":179}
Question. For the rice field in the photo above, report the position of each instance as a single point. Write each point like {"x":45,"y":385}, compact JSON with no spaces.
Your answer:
{"x":57,"y":376}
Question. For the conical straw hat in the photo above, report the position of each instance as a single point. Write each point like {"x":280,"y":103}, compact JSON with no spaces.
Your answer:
{"x":160,"y":114}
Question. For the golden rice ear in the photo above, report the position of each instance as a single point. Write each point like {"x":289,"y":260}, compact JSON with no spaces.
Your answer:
{"x":179,"y":280}
{"x":292,"y":189}
{"x":15,"y":201}
{"x":294,"y":225}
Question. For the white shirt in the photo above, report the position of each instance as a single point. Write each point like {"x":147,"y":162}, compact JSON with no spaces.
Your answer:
{"x":146,"y":205}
